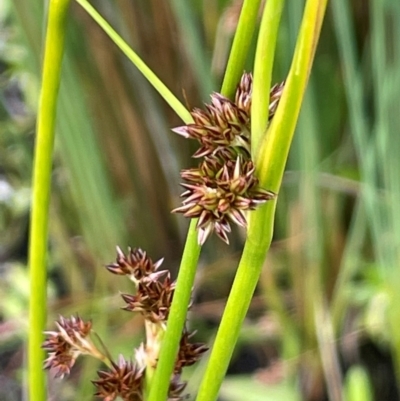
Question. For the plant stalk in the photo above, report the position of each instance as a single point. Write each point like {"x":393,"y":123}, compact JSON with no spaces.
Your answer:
{"x":53,"y":53}
{"x":156,"y":82}
{"x":270,"y":162}
{"x":240,"y":46}
{"x":169,"y":347}
{"x":263,"y":65}
{"x":170,"y":343}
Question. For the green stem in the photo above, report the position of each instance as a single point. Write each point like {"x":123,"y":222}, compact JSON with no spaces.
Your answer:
{"x":169,"y":347}
{"x":263,"y":64}
{"x":53,"y":54}
{"x":173,"y":334}
{"x":240,"y":46}
{"x":158,"y":85}
{"x":274,"y":147}
{"x":271,"y":163}
{"x":236,"y":308}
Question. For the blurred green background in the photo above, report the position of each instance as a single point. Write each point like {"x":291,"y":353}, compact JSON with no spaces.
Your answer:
{"x":325,"y":321}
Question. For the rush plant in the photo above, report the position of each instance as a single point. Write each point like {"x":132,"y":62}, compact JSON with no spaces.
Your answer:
{"x":244,"y":139}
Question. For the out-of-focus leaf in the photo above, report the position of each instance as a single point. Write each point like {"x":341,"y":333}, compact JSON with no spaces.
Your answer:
{"x":239,"y":388}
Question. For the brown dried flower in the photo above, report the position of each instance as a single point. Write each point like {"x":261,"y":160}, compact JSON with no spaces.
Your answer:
{"x":136,"y":264}
{"x":244,"y":92}
{"x":189,"y":353}
{"x":220,"y":191}
{"x":123,"y":379}
{"x":153,"y":298}
{"x":226,"y":124}
{"x":66,"y":344}
{"x":223,"y":187}
{"x":222,"y":125}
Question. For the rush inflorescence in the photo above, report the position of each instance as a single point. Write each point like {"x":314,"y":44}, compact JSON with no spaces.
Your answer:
{"x":223,"y":187}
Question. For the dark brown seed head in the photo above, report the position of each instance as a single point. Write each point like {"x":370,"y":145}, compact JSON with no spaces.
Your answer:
{"x":123,"y":379}
{"x":219,"y":192}
{"x":189,"y":353}
{"x":135,"y":264}
{"x":66,"y":344}
{"x":153,"y":299}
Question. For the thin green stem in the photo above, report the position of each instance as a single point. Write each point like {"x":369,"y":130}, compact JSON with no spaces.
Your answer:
{"x":271,"y":162}
{"x":158,"y":384}
{"x":169,"y":348}
{"x":263,"y":65}
{"x":173,"y":334}
{"x":240,"y":46}
{"x":274,"y":148}
{"x":236,"y":308}
{"x":53,"y":53}
{"x":161,"y":88}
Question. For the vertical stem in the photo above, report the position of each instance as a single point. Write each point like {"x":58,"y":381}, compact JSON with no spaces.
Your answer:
{"x":160,"y":381}
{"x":238,"y":303}
{"x":53,"y":53}
{"x":240,"y":47}
{"x":263,"y":64}
{"x":271,"y":161}
{"x":170,"y":343}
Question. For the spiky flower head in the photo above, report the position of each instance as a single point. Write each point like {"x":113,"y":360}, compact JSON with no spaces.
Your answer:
{"x":123,"y":379}
{"x":244,"y":92}
{"x":223,"y":124}
{"x":135,"y":264}
{"x":219,"y":192}
{"x":153,"y":298}
{"x":67,"y":343}
{"x":224,"y":186}
{"x":189,"y":352}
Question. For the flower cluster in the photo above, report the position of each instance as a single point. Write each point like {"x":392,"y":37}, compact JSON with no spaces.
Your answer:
{"x":154,"y":289}
{"x":67,"y":343}
{"x":223,"y":187}
{"x":125,"y":378}
{"x":153,"y":298}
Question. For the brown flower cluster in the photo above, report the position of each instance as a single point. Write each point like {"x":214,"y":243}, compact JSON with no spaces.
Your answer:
{"x":153,"y":298}
{"x":136,"y":264}
{"x":124,"y":378}
{"x":67,"y":343}
{"x":154,"y":289}
{"x":223,"y":187}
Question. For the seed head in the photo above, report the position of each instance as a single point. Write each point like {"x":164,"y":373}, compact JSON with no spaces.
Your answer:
{"x":223,"y":124}
{"x":244,"y":92}
{"x":65,"y":345}
{"x":153,"y":298}
{"x":223,"y":187}
{"x":218,"y":193}
{"x":275,"y":97}
{"x":135,"y":264}
{"x":189,"y":353}
{"x":123,"y":379}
